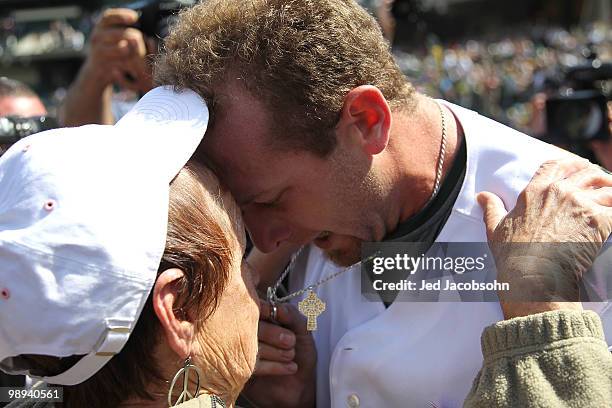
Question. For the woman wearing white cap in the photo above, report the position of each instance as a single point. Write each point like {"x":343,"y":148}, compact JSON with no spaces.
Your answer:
{"x":99,"y":258}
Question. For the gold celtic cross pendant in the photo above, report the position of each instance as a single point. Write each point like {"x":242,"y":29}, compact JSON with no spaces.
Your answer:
{"x":311,"y":307}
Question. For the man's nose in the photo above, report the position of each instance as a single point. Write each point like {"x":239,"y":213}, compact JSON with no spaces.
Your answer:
{"x":267,"y":233}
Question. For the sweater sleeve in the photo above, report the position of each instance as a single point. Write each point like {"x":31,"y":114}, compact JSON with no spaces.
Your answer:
{"x":554,"y":359}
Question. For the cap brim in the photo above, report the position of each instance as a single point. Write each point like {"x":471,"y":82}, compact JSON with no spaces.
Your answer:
{"x":179,"y":117}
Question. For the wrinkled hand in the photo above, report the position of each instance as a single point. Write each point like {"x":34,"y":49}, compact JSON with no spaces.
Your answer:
{"x":118,"y":52}
{"x":285,"y":371}
{"x":567,"y":200}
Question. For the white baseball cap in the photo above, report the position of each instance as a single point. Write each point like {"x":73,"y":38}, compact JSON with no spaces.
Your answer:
{"x":83,"y":219}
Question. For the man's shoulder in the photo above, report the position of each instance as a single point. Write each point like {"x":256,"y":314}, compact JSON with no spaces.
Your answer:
{"x":499,"y":137}
{"x":500,"y":160}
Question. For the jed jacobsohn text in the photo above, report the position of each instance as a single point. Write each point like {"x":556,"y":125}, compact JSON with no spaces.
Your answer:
{"x":440,"y":284}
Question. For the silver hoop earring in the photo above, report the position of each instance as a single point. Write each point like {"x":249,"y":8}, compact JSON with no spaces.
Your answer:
{"x":185,"y":394}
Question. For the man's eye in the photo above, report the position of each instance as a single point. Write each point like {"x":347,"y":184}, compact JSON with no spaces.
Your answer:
{"x":268,"y":204}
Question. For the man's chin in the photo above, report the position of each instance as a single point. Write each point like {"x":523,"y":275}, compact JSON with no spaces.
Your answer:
{"x":343,"y":250}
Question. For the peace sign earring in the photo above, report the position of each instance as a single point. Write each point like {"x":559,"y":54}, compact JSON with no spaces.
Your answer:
{"x":185,"y":394}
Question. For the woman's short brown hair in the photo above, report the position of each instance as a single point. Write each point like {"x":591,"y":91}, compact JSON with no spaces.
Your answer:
{"x":200,"y":241}
{"x":300,"y":57}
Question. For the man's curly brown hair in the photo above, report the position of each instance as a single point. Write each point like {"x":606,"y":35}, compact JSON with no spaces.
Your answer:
{"x":299,"y":57}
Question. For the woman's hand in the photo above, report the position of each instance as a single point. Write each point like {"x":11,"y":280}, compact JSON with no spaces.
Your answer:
{"x":567,"y":201}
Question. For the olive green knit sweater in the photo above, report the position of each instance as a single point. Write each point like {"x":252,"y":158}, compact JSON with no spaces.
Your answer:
{"x":554,"y":359}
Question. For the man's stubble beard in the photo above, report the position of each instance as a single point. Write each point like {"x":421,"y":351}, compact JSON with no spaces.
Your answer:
{"x":347,"y":256}
{"x":370,"y":190}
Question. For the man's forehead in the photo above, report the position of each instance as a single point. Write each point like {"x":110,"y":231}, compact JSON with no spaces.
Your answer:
{"x":234,"y":147}
{"x":238,"y":142}
{"x":239,"y":127}
{"x":247,"y":185}
{"x":241,"y":159}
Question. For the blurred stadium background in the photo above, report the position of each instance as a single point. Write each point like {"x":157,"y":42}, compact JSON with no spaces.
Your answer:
{"x":491,"y":56}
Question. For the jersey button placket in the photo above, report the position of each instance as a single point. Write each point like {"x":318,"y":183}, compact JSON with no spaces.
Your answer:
{"x":352,"y":401}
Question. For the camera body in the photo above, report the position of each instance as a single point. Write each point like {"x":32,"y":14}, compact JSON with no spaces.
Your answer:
{"x":14,"y":128}
{"x":156,"y":16}
{"x":578,"y":112}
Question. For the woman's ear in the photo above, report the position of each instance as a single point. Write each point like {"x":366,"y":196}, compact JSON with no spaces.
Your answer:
{"x":178,"y":331}
{"x":366,"y":116}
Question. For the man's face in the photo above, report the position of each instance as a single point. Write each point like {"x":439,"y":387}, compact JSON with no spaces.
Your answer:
{"x":290,"y":196}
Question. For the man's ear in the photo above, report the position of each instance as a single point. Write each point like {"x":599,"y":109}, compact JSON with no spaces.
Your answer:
{"x":366,"y":116}
{"x":178,"y":331}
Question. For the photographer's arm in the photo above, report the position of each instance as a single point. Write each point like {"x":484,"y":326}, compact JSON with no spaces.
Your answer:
{"x":88,"y":100}
{"x":548,"y":353}
{"x":386,"y":20}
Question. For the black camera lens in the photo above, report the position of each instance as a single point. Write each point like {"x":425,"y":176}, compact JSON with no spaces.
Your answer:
{"x":14,"y":128}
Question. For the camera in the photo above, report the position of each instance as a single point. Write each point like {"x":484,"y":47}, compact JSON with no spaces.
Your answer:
{"x":14,"y":128}
{"x":156,"y":16}
{"x":578,"y":112}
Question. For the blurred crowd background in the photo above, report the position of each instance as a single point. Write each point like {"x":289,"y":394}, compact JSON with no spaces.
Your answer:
{"x":501,"y":76}
{"x":540,"y":66}
{"x":500,"y":58}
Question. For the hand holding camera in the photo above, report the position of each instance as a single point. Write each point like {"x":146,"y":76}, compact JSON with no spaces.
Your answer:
{"x":118,"y":55}
{"x":118,"y":52}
